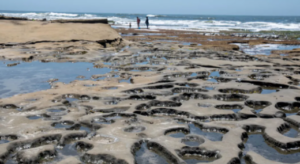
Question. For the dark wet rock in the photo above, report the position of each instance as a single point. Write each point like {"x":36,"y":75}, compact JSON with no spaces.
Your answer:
{"x":280,"y":115}
{"x":157,"y":148}
{"x":228,"y":106}
{"x":175,"y":130}
{"x":44,"y":140}
{"x":231,"y":97}
{"x":234,"y":161}
{"x":177,"y":75}
{"x":283,"y":127}
{"x":83,"y":146}
{"x":223,"y":117}
{"x":100,"y":158}
{"x":167,"y":86}
{"x":237,"y":91}
{"x":9,"y":106}
{"x":143,"y":107}
{"x":249,"y":159}
{"x":199,"y":77}
{"x":196,"y":151}
{"x":37,"y":158}
{"x":253,"y":128}
{"x":156,"y":103}
{"x":246,"y":116}
{"x":290,"y":107}
{"x":188,"y":96}
{"x":257,"y":104}
{"x":134,"y":91}
{"x":162,"y":81}
{"x":268,"y":85}
{"x":112,"y":110}
{"x":260,"y":76}
{"x":193,"y":138}
{"x":188,"y":90}
{"x":170,"y":112}
{"x":12,"y":65}
{"x":112,"y":100}
{"x":134,"y":129}
{"x":141,"y":97}
{"x":187,"y":84}
{"x":265,"y":116}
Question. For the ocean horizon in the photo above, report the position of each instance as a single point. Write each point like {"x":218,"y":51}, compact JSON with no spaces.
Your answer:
{"x":213,"y":23}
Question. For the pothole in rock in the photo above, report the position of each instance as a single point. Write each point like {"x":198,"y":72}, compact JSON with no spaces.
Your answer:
{"x":188,"y":90}
{"x":141,"y":97}
{"x":166,"y":86}
{"x":69,"y":125}
{"x":7,"y":138}
{"x":240,"y":91}
{"x":215,"y":77}
{"x":209,"y":88}
{"x":213,"y":134}
{"x":75,"y":97}
{"x":34,"y":117}
{"x":71,"y":149}
{"x":134,"y":129}
{"x":187,"y":84}
{"x":194,"y":155}
{"x":290,"y":131}
{"x":108,"y":119}
{"x":268,"y":88}
{"x":257,"y":106}
{"x":260,"y":76}
{"x":257,"y":143}
{"x":104,"y":139}
{"x":112,"y":110}
{"x":234,"y":107}
{"x":145,"y":153}
{"x":11,"y":106}
{"x":289,"y":108}
{"x":192,"y":140}
{"x":231,"y":97}
{"x":56,"y":110}
{"x":188,"y":96}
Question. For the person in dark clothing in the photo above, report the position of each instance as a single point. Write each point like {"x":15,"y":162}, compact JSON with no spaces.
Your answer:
{"x":147,"y":22}
{"x":138,"y":22}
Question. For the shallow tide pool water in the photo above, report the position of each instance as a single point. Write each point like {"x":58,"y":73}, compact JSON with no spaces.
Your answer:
{"x":29,"y":77}
{"x":256,"y":143}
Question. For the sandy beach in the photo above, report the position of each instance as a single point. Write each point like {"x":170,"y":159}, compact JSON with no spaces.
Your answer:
{"x":88,"y":93}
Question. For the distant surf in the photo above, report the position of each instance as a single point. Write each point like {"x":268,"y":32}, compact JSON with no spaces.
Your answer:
{"x":180,"y":22}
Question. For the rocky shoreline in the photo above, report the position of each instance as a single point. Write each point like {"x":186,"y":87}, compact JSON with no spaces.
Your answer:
{"x":188,"y":100}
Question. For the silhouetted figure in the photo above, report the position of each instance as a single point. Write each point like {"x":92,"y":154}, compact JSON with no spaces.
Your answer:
{"x":129,"y":25}
{"x":147,"y":22}
{"x":138,"y":22}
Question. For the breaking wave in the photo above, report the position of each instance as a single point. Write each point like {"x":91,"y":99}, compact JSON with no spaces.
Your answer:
{"x":180,"y":22}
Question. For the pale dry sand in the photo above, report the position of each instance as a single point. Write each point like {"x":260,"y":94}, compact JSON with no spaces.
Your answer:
{"x":36,"y":31}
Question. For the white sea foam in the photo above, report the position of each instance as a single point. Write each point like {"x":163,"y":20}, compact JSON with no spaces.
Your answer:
{"x":162,"y":22}
{"x":150,"y":15}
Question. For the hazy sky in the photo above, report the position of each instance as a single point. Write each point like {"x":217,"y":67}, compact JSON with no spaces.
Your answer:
{"x":216,"y":7}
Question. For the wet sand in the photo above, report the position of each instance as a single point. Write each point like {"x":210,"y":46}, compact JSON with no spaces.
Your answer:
{"x":129,"y":100}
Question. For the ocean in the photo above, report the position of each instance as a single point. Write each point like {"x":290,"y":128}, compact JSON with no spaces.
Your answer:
{"x":212,"y":23}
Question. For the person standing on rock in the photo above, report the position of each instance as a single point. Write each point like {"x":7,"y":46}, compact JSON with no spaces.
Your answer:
{"x":138,"y":22}
{"x":147,"y":22}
